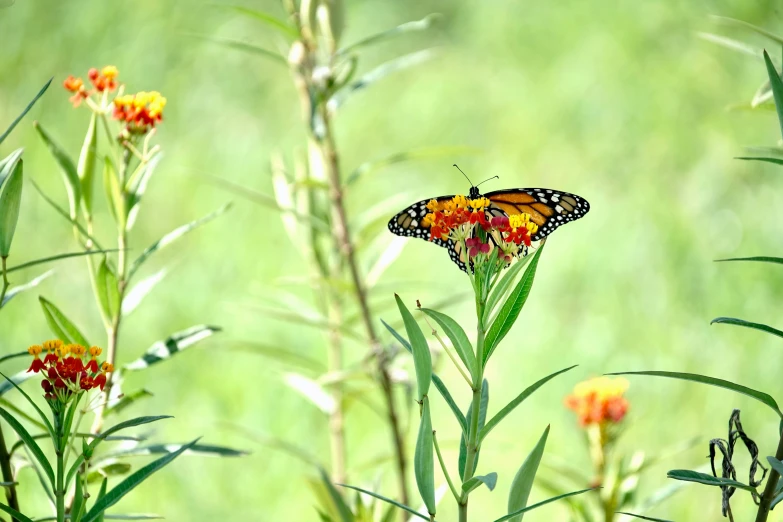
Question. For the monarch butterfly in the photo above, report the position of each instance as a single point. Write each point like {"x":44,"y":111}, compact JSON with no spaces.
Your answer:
{"x":547,"y":208}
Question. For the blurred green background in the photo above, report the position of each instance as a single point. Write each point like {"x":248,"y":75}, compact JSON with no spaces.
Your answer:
{"x":619,"y":102}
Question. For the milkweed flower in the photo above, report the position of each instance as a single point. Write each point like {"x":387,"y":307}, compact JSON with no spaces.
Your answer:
{"x":67,"y":370}
{"x":599,"y":401}
{"x":140,"y":111}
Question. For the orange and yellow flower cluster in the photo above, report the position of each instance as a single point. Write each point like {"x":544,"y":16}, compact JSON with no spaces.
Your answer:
{"x":68,"y":369}
{"x":140,"y":111}
{"x":599,"y":400}
{"x":458,"y":217}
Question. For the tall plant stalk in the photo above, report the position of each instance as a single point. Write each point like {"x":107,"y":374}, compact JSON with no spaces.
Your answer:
{"x":325,"y":158}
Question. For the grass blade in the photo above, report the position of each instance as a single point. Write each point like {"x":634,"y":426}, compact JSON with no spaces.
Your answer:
{"x":747,"y":324}
{"x":25,"y":111}
{"x":712,"y":381}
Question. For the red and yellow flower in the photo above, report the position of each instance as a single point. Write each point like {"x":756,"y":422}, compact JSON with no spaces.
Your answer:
{"x":599,"y":401}
{"x":66,"y":369}
{"x":141,"y":111}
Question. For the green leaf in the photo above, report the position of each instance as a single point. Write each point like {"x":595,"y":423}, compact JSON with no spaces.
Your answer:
{"x":136,"y":294}
{"x":107,"y":288}
{"x":138,"y":421}
{"x":337,"y":499}
{"x":776,"y":84}
{"x":458,"y":338}
{"x":136,"y":186}
{"x":166,"y":449}
{"x":24,"y":112}
{"x":503,"y":286}
{"x":86,"y":166}
{"x":126,"y":401}
{"x":16,"y":290}
{"x":730,"y":43}
{"x":58,"y":257}
{"x":499,"y":416}
{"x":72,"y":220}
{"x":776,"y":465}
{"x":79,"y":501}
{"x":162,"y":350}
{"x":17,"y":515}
{"x":763,"y":259}
{"x":706,"y":479}
{"x":417,"y":25}
{"x":490,"y":480}
{"x":270,"y":20}
{"x":388,"y":500}
{"x":510,"y":310}
{"x":377,"y":74}
{"x":111,"y":185}
{"x":312,"y":391}
{"x":642,"y":517}
{"x":29,"y":441}
{"x":542,"y":503}
{"x":14,"y":382}
{"x":10,"y":201}
{"x":423,"y":460}
{"x":124,"y":487}
{"x":173,"y":236}
{"x":747,"y":324}
{"x":447,"y":151}
{"x":523,"y":481}
{"x":422,"y":360}
{"x":463,"y":447}
{"x":720,"y":383}
{"x":745,"y":25}
{"x":441,"y":387}
{"x":67,"y":167}
{"x":246,"y":47}
{"x":776,"y":161}
{"x":7,"y":165}
{"x":60,"y":325}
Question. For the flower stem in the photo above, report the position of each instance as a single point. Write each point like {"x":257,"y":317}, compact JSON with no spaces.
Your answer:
{"x":473,"y":428}
{"x":443,"y":466}
{"x":59,"y":490}
{"x":769,"y":490}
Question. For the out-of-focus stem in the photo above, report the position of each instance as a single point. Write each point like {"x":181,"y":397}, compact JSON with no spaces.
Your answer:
{"x":769,"y":490}
{"x":337,"y":417}
{"x":8,"y":474}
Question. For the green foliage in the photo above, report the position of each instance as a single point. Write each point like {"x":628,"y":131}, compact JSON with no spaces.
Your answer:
{"x":523,"y":481}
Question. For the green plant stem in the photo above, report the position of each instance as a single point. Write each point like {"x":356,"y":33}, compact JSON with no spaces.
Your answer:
{"x":8,"y":474}
{"x":6,"y":284}
{"x":769,"y":490}
{"x":475,"y":411}
{"x":59,"y":488}
{"x":443,"y":467}
{"x":337,"y":417}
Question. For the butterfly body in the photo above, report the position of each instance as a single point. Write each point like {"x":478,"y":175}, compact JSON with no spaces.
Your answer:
{"x":547,"y":208}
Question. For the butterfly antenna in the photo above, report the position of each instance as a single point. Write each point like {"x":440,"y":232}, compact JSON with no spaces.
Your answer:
{"x":466,"y":176}
{"x":488,"y":179}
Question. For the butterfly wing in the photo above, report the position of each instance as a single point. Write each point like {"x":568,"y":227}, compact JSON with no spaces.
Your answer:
{"x":549,"y":209}
{"x":408,"y":223}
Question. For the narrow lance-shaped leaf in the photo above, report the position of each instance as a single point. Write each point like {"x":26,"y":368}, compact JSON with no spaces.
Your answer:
{"x":422,"y":360}
{"x":60,"y":325}
{"x":10,"y":201}
{"x":388,"y":500}
{"x":137,"y":186}
{"x":339,"y":502}
{"x":25,"y":111}
{"x":67,"y":216}
{"x":126,"y":401}
{"x":776,"y":84}
{"x":523,"y":481}
{"x":107,"y":288}
{"x":542,"y":503}
{"x":776,"y":161}
{"x":503,"y":286}
{"x":499,"y":416}
{"x":312,"y":391}
{"x":29,"y":441}
{"x":162,"y":350}
{"x":67,"y":167}
{"x":136,"y":294}
{"x":712,"y":381}
{"x":510,"y":310}
{"x":423,"y":461}
{"x":245,"y":47}
{"x":14,"y":513}
{"x":463,"y":447}
{"x":268,"y":19}
{"x":642,"y":517}
{"x":86,"y":166}
{"x":8,"y":163}
{"x":458,"y":338}
{"x":16,"y":290}
{"x":124,"y":487}
{"x":173,"y":236}
{"x":706,"y":479}
{"x":417,"y":25}
{"x":747,"y":324}
{"x":57,"y":257}
{"x":763,"y":259}
{"x":114,"y":195}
